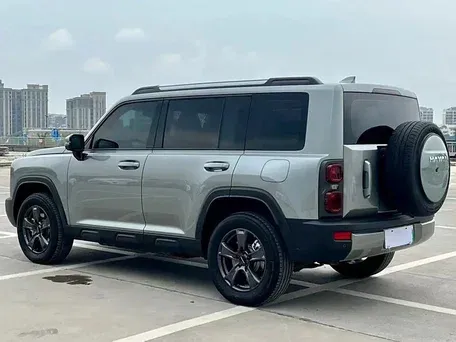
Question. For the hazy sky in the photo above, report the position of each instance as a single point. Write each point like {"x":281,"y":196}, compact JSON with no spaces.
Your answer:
{"x":116,"y":46}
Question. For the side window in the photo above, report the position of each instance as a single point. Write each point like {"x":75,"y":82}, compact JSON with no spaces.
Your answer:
{"x":132,"y":125}
{"x":234,"y":122}
{"x":277,"y":122}
{"x":193,"y":123}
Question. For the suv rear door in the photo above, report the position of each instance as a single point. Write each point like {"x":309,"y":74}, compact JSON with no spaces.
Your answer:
{"x":369,"y":120}
{"x":199,"y":143}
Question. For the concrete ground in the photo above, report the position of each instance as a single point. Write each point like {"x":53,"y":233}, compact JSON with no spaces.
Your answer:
{"x":102,"y":294}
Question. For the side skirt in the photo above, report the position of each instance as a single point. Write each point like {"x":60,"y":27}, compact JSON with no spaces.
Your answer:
{"x":137,"y":241}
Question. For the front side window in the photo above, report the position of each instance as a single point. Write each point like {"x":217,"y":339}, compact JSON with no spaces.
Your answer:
{"x":193,"y":123}
{"x":130,"y":126}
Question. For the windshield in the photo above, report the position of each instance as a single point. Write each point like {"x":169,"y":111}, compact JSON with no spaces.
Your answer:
{"x":363,"y":111}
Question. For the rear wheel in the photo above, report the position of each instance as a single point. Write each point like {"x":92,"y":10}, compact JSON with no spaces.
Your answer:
{"x":40,"y":230}
{"x":248,"y":261}
{"x":364,"y":268}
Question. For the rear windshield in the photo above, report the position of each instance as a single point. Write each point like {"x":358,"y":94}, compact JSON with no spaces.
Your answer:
{"x":363,"y":111}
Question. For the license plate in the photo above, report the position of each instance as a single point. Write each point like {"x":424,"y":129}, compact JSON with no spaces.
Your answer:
{"x":398,"y":237}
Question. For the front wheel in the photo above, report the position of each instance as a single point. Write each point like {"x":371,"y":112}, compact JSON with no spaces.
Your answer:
{"x":248,"y":260}
{"x":364,"y":268}
{"x":40,"y":230}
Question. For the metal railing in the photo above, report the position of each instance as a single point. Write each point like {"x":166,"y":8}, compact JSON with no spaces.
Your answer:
{"x":32,"y":142}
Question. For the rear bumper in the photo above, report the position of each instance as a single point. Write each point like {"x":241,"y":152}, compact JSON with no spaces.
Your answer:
{"x":9,"y":210}
{"x":313,"y":241}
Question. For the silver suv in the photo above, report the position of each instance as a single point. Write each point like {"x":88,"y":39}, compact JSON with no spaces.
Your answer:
{"x":262,"y":178}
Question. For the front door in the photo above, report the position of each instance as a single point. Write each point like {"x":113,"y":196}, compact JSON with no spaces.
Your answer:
{"x":104,"y":190}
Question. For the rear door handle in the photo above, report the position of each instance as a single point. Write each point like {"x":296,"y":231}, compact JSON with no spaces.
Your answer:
{"x":367,"y":179}
{"x":216,"y":166}
{"x":128,"y":164}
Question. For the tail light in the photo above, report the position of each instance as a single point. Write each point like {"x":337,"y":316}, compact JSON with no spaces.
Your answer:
{"x":333,"y":202}
{"x":331,"y":188}
{"x":334,"y":173}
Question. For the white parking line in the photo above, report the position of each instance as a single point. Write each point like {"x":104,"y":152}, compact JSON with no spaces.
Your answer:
{"x":446,"y":227}
{"x":402,"y":302}
{"x":87,"y":245}
{"x":187,"y":324}
{"x":314,"y":288}
{"x":8,"y":234}
{"x":68,"y":267}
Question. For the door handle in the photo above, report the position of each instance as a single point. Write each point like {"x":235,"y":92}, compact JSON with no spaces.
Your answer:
{"x":367,"y":179}
{"x":128,"y":164}
{"x":216,"y":166}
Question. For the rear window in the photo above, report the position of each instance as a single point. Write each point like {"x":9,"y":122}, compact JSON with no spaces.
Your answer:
{"x":363,"y":111}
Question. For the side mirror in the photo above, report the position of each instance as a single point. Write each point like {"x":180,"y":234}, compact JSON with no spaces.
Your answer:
{"x":75,"y":144}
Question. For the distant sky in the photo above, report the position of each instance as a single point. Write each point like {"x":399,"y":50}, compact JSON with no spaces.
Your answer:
{"x":118,"y":45}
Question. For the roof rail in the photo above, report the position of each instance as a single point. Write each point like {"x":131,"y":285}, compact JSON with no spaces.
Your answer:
{"x":276,"y":81}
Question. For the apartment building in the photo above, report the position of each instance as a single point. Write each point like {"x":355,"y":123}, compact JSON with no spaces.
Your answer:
{"x":427,"y":114}
{"x":22,"y":109}
{"x":85,"y":110}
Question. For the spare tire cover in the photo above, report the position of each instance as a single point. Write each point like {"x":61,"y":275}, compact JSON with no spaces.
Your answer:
{"x":417,"y":169}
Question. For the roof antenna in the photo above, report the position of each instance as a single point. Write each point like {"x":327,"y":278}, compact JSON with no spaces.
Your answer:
{"x":349,"y":79}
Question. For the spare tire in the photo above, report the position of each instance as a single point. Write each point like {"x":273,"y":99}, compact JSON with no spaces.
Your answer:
{"x":417,"y":168}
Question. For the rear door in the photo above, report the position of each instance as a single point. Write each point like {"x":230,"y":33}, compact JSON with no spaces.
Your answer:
{"x":200,"y":142}
{"x":369,"y":119}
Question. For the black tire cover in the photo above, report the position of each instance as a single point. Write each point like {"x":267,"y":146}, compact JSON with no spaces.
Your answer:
{"x":417,"y":169}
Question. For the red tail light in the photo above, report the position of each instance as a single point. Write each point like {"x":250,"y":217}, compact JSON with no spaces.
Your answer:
{"x":333,"y":202}
{"x":334,"y":173}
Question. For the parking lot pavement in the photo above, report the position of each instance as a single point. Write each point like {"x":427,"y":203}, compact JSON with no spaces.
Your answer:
{"x":103,"y":294}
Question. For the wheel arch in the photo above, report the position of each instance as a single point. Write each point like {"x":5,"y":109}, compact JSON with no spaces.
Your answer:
{"x":222,"y":202}
{"x":28,"y":185}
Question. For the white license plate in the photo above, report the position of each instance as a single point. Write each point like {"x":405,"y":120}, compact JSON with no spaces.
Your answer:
{"x":398,"y":237}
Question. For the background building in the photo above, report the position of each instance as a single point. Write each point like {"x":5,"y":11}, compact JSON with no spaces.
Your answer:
{"x":449,"y":117}
{"x":56,"y":121}
{"x":427,"y":114}
{"x":85,"y":110}
{"x":23,"y":108}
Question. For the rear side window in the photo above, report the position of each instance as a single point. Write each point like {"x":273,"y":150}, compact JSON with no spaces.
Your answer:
{"x":363,"y":111}
{"x":234,"y":122}
{"x":277,"y":122}
{"x":193,"y":123}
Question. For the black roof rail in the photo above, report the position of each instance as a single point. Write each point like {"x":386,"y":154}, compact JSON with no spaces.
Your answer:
{"x":292,"y":81}
{"x":146,"y":90}
{"x":275,"y":81}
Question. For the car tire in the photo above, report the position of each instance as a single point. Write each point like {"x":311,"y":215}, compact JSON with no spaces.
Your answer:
{"x":263,"y":266}
{"x":365,"y":268}
{"x":40,"y":230}
{"x":417,"y":169}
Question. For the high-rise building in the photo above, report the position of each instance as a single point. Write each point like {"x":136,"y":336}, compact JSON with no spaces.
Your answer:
{"x":449,"y":117}
{"x":56,"y":121}
{"x":427,"y":114}
{"x":85,"y":110}
{"x":22,"y":109}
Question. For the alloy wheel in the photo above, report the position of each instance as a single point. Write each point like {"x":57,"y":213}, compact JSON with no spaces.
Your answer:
{"x":36,"y":229}
{"x":241,"y":260}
